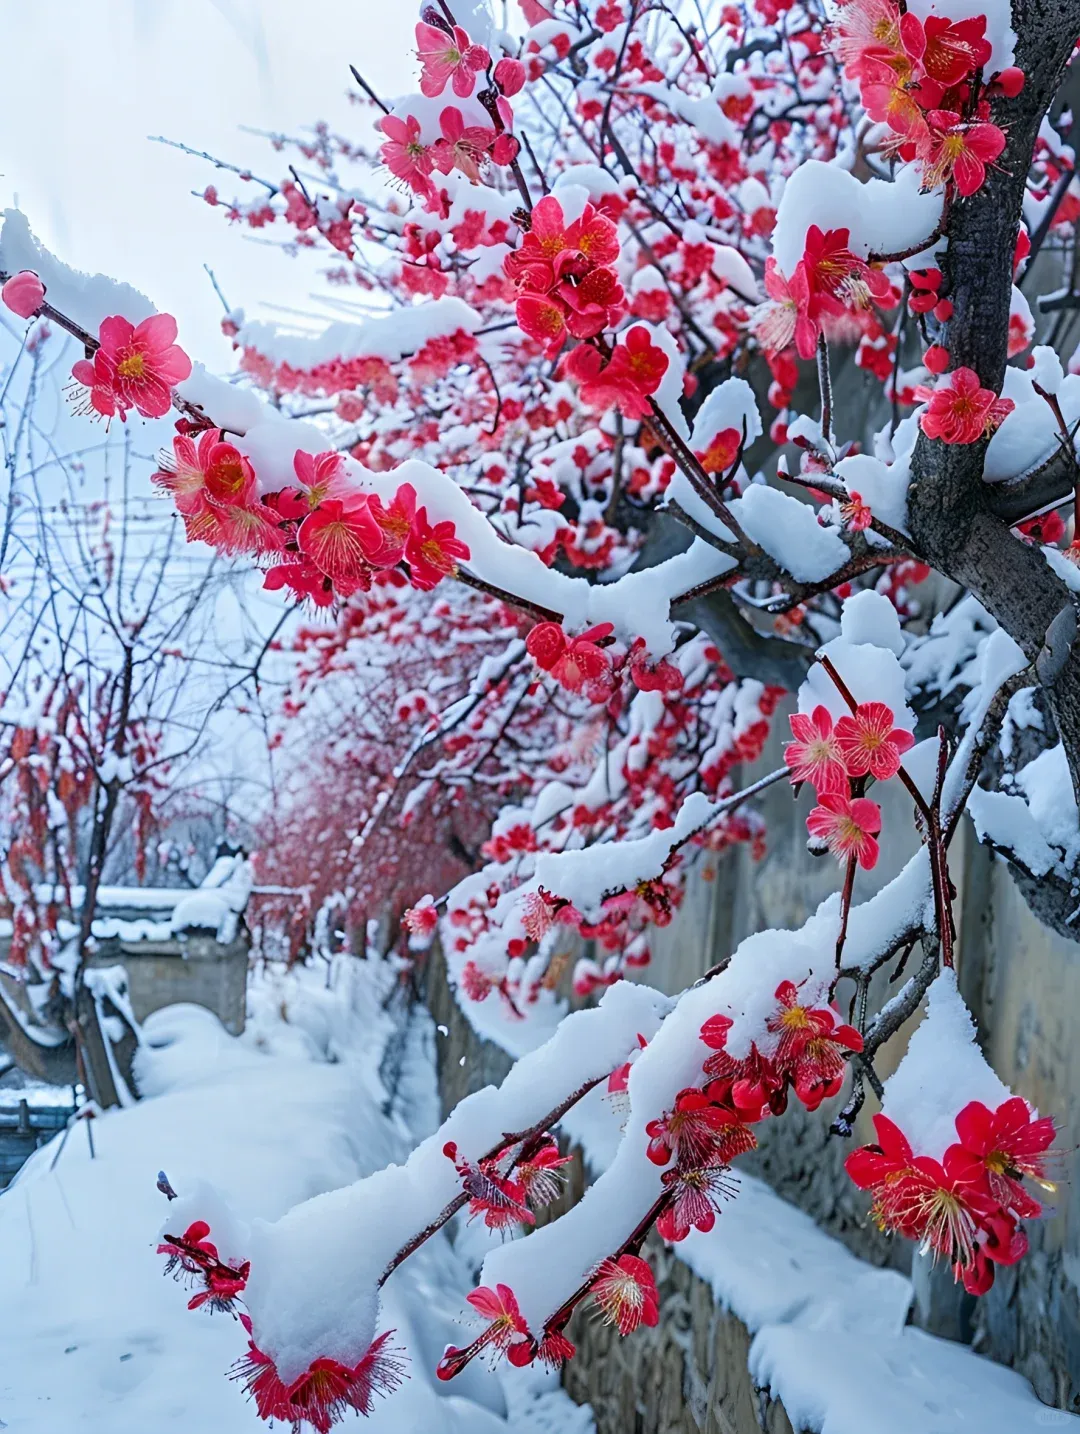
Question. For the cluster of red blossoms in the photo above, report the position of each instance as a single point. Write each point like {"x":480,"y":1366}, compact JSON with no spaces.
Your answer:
{"x":921,"y":79}
{"x":325,"y":1391}
{"x":706,"y":1129}
{"x":827,"y":282}
{"x":709,"y":1126}
{"x":965,"y":1207}
{"x":448,"y":56}
{"x":581,"y":664}
{"x":622,"y":1288}
{"x":503,"y":1199}
{"x":564,"y":277}
{"x":837,"y":760}
{"x":322,"y":538}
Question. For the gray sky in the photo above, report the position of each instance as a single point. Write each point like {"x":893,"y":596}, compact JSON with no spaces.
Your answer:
{"x":84,"y":82}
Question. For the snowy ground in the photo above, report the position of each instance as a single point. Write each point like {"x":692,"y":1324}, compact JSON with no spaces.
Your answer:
{"x":96,"y":1341}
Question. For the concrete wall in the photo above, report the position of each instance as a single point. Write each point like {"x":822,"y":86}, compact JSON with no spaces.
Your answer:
{"x":197,"y":969}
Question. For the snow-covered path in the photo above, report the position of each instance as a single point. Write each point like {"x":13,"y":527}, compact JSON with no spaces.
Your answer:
{"x":93,"y":1340}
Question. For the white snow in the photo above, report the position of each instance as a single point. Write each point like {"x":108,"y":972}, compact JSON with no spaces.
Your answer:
{"x":731,"y":404}
{"x":1004,"y":819}
{"x":96,"y":1341}
{"x":883,"y":217}
{"x":882,"y":486}
{"x":391,"y":335}
{"x":865,"y":656}
{"x":942,"y":1070}
{"x":86,"y":298}
{"x":789,"y":531}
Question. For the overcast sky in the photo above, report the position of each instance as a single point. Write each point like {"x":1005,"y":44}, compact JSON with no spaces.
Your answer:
{"x":83,"y":83}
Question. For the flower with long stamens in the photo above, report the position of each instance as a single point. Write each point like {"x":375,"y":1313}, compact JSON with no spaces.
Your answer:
{"x":958,"y":151}
{"x":1010,"y":1143}
{"x":867,"y":27}
{"x":321,"y":476}
{"x":498,"y":1198}
{"x":939,"y":1203}
{"x":946,"y":50}
{"x":812,"y":1046}
{"x":754,"y":1088}
{"x":538,"y":1175}
{"x":555,"y":1349}
{"x":506,"y":1330}
{"x":461,"y":146}
{"x":697,"y":1132}
{"x":697,"y":1192}
{"x":405,"y":154}
{"x":341,"y":538}
{"x":325,"y":1391}
{"x":625,"y":1292}
{"x":448,"y":56}
{"x":432,"y":551}
{"x":784,"y":319}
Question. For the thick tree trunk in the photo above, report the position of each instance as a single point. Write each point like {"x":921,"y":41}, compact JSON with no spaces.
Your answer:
{"x":950,"y":508}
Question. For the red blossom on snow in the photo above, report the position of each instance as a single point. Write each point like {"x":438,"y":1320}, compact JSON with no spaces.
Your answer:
{"x":811,"y":1047}
{"x":432,"y":551}
{"x":848,"y":826}
{"x":752,"y":1085}
{"x":135,"y":367}
{"x":341,"y":539}
{"x":870,"y":744}
{"x":326,"y":1390}
{"x":962,"y":411}
{"x":696,"y":1194}
{"x":697,"y":1132}
{"x":193,"y":1257}
{"x":583,"y":665}
{"x":500,"y":1199}
{"x":815,"y":756}
{"x":538,"y":1173}
{"x":422,"y":918}
{"x":395,"y":522}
